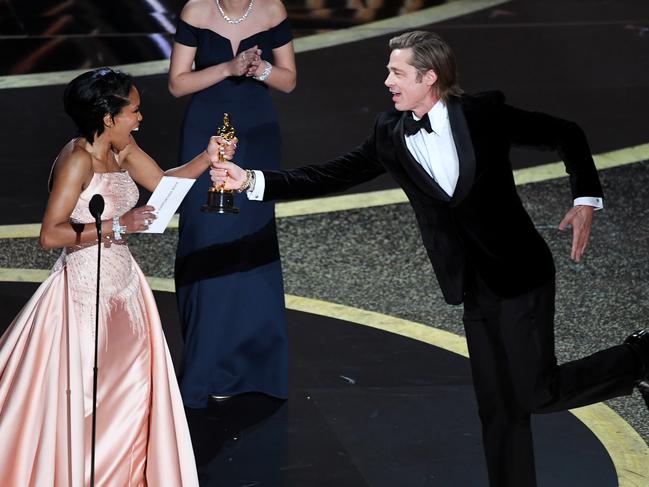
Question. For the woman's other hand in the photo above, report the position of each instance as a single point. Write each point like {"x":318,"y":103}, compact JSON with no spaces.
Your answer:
{"x":243,"y":62}
{"x":253,"y":68}
{"x":137,"y":219}
{"x":220,"y":146}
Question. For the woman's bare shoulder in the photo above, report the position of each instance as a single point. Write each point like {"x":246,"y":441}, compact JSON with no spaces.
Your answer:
{"x":73,"y":162}
{"x":196,"y":11}
{"x":274,"y":11}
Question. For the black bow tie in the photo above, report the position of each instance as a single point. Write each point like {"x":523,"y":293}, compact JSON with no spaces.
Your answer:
{"x":412,"y":126}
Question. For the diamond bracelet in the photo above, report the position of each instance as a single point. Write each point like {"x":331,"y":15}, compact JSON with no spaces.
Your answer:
{"x":264,"y":76}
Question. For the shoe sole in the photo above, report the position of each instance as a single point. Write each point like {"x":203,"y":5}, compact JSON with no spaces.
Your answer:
{"x":643,"y":387}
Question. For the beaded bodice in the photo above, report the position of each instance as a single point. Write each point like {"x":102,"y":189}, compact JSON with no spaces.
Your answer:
{"x":119,"y":283}
{"x":118,"y":189}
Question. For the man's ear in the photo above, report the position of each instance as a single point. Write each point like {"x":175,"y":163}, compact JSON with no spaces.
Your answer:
{"x":430,"y":78}
{"x":108,"y":120}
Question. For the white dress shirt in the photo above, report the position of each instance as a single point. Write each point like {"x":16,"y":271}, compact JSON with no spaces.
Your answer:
{"x":435,"y":151}
{"x":257,"y":193}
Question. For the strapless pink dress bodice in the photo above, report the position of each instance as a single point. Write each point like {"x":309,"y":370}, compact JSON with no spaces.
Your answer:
{"x":118,"y":190}
{"x":119,"y":279}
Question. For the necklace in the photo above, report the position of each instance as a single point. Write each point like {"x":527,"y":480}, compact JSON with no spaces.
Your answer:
{"x":235,"y":21}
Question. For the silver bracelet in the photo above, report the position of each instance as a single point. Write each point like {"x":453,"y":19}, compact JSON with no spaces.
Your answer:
{"x":118,"y":230}
{"x":264,"y":76}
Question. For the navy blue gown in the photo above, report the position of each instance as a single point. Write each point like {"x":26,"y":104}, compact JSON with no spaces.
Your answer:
{"x":228,"y":272}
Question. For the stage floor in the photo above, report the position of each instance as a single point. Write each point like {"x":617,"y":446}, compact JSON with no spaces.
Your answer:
{"x":378,"y":408}
{"x":366,"y":408}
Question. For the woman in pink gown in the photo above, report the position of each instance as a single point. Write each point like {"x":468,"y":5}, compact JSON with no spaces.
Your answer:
{"x":47,"y":354}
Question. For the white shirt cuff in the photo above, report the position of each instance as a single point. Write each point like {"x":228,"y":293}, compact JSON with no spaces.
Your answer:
{"x":257,"y":194}
{"x":598,"y":203}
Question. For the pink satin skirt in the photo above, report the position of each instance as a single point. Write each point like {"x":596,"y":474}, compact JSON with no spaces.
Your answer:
{"x":46,"y":377}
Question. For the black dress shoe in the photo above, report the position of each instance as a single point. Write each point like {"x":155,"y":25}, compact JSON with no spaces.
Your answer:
{"x":638,"y":341}
{"x":643,"y":387}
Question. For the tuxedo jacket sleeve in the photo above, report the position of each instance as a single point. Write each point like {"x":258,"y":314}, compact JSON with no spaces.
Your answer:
{"x":356,"y":167}
{"x":566,"y":138}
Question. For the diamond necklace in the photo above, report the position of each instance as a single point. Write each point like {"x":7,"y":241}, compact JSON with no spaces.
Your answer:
{"x":235,"y":21}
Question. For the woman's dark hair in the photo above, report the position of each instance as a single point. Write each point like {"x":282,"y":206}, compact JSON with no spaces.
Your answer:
{"x":92,"y":95}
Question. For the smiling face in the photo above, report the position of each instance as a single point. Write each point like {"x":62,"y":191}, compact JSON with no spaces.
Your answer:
{"x":410,"y":89}
{"x":126,"y":121}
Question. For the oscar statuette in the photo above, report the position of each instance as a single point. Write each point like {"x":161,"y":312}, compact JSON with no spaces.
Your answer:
{"x":221,"y":200}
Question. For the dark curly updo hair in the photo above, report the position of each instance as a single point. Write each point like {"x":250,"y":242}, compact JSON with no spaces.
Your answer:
{"x":92,"y":95}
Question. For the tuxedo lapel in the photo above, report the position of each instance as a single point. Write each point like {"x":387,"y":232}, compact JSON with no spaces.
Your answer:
{"x":416,"y":172}
{"x":464,"y":148}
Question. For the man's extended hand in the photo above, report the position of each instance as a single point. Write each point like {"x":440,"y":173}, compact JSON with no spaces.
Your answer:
{"x":227,"y":175}
{"x":581,"y":219}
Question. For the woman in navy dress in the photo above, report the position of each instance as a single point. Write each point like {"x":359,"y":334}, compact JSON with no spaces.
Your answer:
{"x":233,"y":316}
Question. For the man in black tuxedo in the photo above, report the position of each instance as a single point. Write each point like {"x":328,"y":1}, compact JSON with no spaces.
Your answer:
{"x":450,"y":154}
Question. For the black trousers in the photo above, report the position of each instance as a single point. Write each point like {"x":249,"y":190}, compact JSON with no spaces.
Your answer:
{"x":515,"y":374}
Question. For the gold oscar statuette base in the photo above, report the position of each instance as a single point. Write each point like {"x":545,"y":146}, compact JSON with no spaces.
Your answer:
{"x":220,"y":201}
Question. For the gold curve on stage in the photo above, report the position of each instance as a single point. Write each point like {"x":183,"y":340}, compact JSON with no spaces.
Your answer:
{"x":628,"y":451}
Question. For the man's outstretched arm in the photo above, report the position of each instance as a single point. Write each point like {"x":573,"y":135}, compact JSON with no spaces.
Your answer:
{"x":337,"y":175}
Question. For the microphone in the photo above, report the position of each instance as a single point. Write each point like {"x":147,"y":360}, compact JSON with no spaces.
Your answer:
{"x":97,"y":208}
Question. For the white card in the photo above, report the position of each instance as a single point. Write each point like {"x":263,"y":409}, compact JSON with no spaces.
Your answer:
{"x":166,"y":199}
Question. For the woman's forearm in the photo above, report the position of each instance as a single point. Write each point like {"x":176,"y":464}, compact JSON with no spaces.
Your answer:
{"x":282,"y":79}
{"x":193,"y":169}
{"x":70,"y":234}
{"x":190,"y":82}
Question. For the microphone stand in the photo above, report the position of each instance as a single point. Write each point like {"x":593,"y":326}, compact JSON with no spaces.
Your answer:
{"x":95,"y":369}
{"x":97,"y":214}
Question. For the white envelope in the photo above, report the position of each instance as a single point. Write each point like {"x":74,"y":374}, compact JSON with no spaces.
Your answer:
{"x":166,"y":199}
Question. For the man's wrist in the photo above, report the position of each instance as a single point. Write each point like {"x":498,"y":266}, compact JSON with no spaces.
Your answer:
{"x":595,"y":202}
{"x":249,"y":183}
{"x":256,"y":191}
